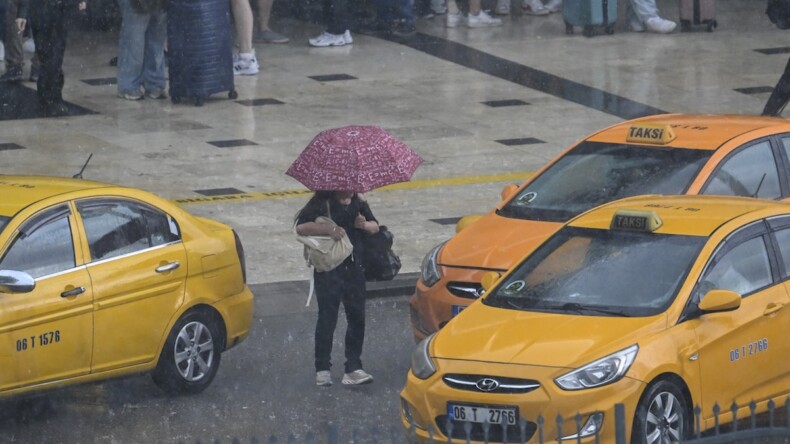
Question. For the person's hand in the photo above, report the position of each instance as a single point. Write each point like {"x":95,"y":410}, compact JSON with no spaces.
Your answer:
{"x":82,"y":5}
{"x":336,"y":232}
{"x":360,"y":222}
{"x":20,"y":25}
{"x":369,"y":226}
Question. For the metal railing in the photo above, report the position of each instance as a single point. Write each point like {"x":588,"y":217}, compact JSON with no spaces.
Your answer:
{"x":772,"y":426}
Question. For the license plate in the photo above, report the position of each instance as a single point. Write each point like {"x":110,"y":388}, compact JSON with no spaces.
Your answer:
{"x":457,"y":309}
{"x":481,"y":414}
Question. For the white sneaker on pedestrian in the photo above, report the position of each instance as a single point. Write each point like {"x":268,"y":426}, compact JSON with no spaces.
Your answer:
{"x":453,"y":20}
{"x":554,"y":5}
{"x":659,"y":25}
{"x":347,"y":37}
{"x":357,"y":377}
{"x":502,"y":7}
{"x":327,"y":39}
{"x":323,"y":378}
{"x":534,"y":7}
{"x":246,"y":65}
{"x":482,"y":20}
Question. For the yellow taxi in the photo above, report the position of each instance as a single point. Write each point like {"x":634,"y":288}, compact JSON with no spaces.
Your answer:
{"x":98,"y":281}
{"x":658,"y":303}
{"x":666,"y":154}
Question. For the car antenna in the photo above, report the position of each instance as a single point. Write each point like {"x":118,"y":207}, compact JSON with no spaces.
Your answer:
{"x":79,"y":175}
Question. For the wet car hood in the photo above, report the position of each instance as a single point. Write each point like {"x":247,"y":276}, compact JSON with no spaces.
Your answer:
{"x":489,"y":334}
{"x":495,"y":242}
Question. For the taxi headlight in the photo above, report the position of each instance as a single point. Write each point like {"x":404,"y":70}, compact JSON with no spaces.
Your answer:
{"x":430,"y":273}
{"x":601,"y":372}
{"x":421,"y":363}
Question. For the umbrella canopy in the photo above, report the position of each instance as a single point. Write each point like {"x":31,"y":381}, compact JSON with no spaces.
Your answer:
{"x":354,"y":158}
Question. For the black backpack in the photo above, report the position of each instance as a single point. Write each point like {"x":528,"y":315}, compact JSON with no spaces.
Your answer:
{"x":378,"y":260}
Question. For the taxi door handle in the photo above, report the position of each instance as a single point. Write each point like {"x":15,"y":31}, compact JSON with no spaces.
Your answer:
{"x":168,"y":267}
{"x":73,"y":292}
{"x":772,"y":308}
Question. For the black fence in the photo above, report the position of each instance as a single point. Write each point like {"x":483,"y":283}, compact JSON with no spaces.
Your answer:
{"x":768,"y":427}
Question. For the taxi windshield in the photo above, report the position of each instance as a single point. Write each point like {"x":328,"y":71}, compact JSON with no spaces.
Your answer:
{"x":600,"y":273}
{"x":594,"y":173}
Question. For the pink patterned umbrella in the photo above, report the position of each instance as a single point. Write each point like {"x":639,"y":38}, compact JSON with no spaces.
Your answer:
{"x":354,"y":158}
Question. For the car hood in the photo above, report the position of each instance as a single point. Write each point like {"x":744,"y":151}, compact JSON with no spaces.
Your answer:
{"x":489,"y":334}
{"x":495,"y":242}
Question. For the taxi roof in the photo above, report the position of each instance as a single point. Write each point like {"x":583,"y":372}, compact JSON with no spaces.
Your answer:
{"x":17,"y":192}
{"x":683,"y":215}
{"x":697,"y":131}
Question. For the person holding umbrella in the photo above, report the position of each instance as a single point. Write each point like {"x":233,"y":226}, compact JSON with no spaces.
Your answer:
{"x":344,"y":284}
{"x":339,"y":165}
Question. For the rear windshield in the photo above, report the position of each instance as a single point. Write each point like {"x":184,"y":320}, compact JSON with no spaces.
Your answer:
{"x":594,"y":173}
{"x":584,"y":271}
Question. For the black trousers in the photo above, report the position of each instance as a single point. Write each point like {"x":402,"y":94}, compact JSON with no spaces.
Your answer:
{"x":337,"y":15}
{"x":780,"y":95}
{"x":345,"y":284}
{"x":49,"y":19}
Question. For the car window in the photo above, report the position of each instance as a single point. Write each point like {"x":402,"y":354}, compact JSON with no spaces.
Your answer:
{"x":43,"y":246}
{"x":783,"y":238}
{"x":749,"y":172}
{"x":589,"y":271}
{"x":118,"y":227}
{"x":742,"y":269}
{"x":594,"y":173}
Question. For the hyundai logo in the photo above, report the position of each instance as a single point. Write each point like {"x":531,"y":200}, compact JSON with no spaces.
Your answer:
{"x":487,"y":385}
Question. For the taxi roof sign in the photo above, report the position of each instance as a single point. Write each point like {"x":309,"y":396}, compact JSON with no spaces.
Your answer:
{"x":636,"y":220}
{"x":650,"y":133}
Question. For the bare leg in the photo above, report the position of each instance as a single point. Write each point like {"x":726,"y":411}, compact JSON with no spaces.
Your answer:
{"x":242,"y":18}
{"x":474,"y":7}
{"x":264,"y":14}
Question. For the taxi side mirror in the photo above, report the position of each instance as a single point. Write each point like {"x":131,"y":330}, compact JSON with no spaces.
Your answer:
{"x":489,"y":279}
{"x":717,"y":300}
{"x":509,"y":190}
{"x":16,"y":282}
{"x":466,"y":221}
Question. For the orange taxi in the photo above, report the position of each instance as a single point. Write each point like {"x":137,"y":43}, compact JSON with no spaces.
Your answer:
{"x":665,"y":154}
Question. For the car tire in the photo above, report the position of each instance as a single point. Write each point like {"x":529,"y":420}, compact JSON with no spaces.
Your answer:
{"x":662,"y":416}
{"x":191,"y":355}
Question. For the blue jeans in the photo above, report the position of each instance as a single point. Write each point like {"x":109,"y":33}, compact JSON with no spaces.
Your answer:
{"x":141,"y":46}
{"x":641,"y":10}
{"x":389,"y":11}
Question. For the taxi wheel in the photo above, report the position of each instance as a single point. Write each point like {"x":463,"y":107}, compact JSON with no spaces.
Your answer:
{"x":662,"y":416}
{"x":191,"y":355}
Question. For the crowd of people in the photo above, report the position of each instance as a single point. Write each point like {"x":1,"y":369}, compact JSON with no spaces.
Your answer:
{"x":142,"y":41}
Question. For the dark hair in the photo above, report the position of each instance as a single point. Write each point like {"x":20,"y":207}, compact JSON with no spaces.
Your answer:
{"x":316,"y":204}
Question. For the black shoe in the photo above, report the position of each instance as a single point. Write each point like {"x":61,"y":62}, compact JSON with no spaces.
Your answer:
{"x":13,"y":75}
{"x":402,"y":29}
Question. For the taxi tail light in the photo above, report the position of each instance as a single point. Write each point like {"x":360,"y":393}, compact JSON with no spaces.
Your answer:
{"x":240,"y":252}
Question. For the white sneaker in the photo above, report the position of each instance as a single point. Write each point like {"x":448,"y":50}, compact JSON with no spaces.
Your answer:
{"x":502,"y":7}
{"x":453,"y":20}
{"x":534,"y":7}
{"x":323,"y":378}
{"x":482,"y":20}
{"x":357,"y":377}
{"x":246,"y":65}
{"x":347,"y":37}
{"x":554,"y":5}
{"x":327,"y":39}
{"x":659,"y":25}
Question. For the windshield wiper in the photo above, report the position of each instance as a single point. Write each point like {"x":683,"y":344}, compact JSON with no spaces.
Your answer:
{"x":575,"y":306}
